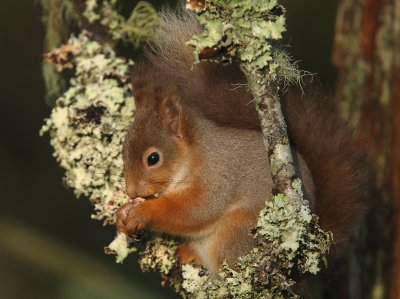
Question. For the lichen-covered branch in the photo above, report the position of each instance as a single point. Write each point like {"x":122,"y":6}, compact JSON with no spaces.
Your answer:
{"x":101,"y":18}
{"x":275,"y":135}
{"x":89,"y":122}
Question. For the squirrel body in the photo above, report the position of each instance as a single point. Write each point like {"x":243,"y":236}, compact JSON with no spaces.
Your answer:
{"x":195,"y":152}
{"x":211,"y":184}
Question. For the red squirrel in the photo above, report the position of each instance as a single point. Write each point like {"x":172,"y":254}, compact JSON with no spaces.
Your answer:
{"x":195,"y":153}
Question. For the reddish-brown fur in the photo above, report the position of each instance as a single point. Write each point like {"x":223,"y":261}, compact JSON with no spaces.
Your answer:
{"x":337,"y":163}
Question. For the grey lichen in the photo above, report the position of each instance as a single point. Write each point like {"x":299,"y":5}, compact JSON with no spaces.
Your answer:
{"x":159,"y":254}
{"x":289,"y":229}
{"x":89,"y":122}
{"x":246,"y":30}
{"x":228,"y":23}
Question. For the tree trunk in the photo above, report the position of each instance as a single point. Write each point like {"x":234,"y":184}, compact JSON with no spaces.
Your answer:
{"x":367,"y":55}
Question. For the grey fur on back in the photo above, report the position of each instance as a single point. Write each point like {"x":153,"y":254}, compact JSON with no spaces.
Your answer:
{"x":236,"y":175}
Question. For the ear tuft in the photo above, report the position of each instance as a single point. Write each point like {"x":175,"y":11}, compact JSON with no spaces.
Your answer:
{"x":172,"y":116}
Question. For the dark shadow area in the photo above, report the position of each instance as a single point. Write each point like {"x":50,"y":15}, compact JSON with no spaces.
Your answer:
{"x":310,"y":35}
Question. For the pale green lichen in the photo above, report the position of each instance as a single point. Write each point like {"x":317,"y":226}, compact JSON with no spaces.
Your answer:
{"x":89,"y":122}
{"x":247,"y":30}
{"x":289,"y":229}
{"x":228,"y":23}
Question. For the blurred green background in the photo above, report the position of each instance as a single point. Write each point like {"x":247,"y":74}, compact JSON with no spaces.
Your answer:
{"x":49,"y":246}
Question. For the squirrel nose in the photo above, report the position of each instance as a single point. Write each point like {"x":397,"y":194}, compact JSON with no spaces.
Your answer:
{"x":131,"y":191}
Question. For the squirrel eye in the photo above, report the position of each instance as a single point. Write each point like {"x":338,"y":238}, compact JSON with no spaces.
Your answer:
{"x":153,"y":159}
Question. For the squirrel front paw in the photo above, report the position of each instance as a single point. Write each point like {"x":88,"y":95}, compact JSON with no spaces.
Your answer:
{"x":129,"y":219}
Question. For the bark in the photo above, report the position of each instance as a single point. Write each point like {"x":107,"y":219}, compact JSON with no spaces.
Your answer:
{"x":275,"y":135}
{"x":367,"y":55}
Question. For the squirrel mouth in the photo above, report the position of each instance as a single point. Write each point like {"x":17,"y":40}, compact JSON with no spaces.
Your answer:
{"x":151,"y":196}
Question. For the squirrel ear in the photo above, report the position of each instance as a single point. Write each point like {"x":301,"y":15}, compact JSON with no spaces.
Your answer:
{"x":172,"y":116}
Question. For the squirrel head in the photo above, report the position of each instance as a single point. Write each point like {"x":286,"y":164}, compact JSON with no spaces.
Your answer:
{"x":156,"y":146}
